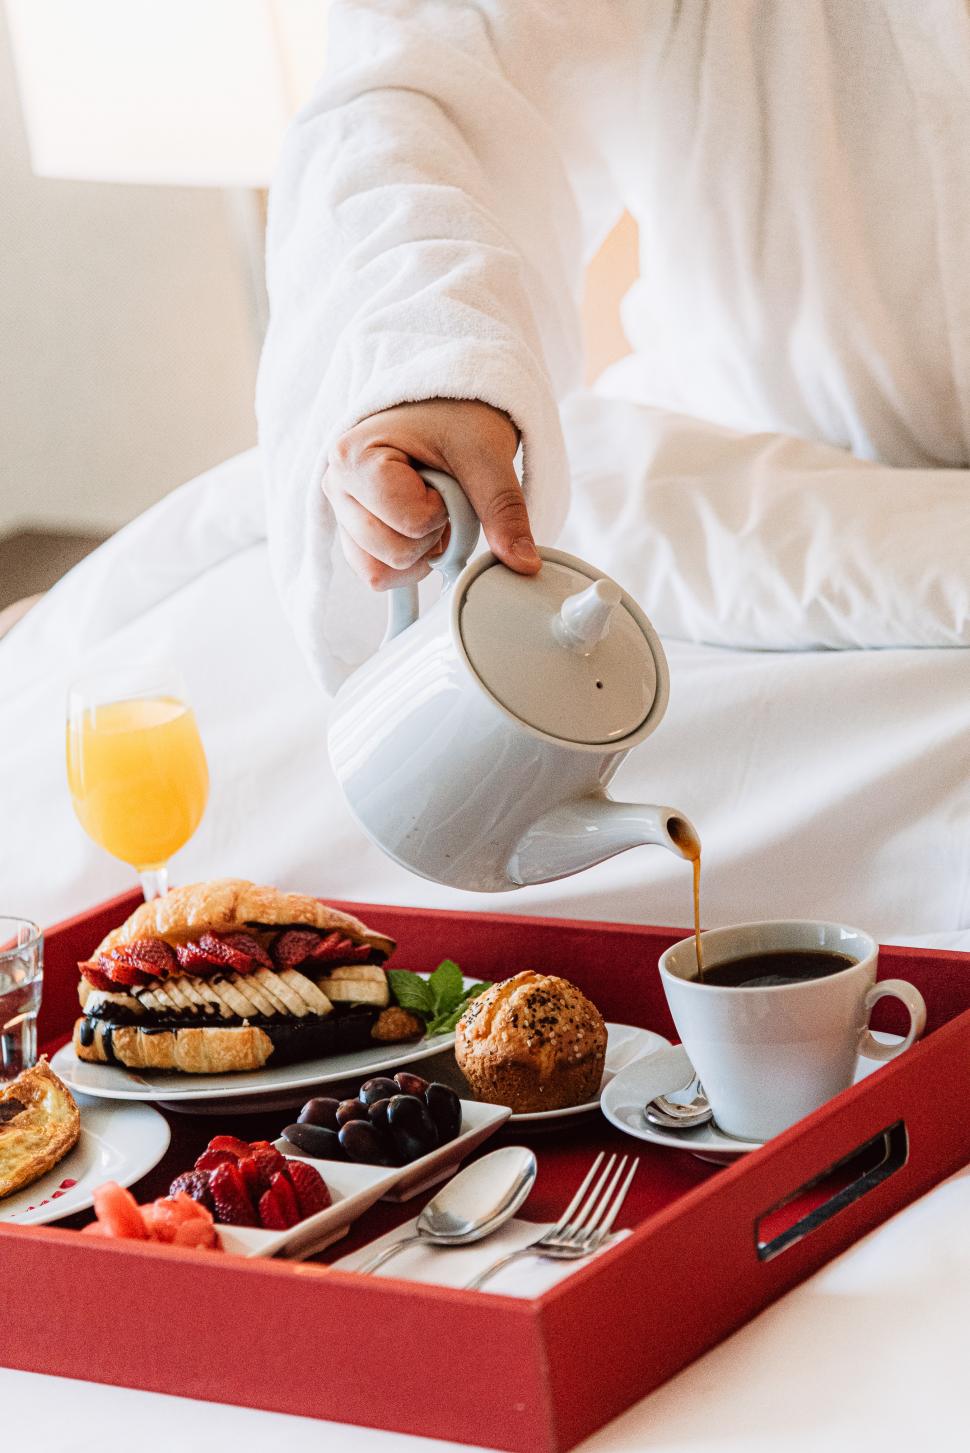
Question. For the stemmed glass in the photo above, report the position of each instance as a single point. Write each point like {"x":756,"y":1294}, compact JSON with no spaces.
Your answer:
{"x":136,"y":766}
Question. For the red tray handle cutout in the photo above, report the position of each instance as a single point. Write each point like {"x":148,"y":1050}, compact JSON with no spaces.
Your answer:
{"x":818,"y":1200}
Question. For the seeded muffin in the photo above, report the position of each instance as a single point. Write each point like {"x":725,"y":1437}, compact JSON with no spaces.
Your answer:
{"x":533,"y":1042}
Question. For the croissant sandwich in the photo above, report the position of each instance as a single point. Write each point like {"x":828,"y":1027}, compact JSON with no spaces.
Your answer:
{"x":226,"y":975}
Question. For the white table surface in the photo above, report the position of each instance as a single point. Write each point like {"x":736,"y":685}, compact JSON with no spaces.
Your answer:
{"x":872,"y":1353}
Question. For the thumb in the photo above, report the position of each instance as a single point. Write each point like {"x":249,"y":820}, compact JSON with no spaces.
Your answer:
{"x":493,"y":488}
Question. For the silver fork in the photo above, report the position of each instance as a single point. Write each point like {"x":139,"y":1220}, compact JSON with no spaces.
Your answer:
{"x":585,"y":1223}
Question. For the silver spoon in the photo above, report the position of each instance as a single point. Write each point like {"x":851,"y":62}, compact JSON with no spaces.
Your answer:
{"x":670,"y":1114}
{"x":476,"y":1202}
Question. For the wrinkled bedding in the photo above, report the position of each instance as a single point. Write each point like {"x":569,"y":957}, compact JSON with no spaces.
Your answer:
{"x":823,"y":783}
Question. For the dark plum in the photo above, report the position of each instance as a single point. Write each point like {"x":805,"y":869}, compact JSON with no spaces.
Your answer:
{"x":409,"y":1084}
{"x":444,"y":1107}
{"x":377,"y":1089}
{"x":411,"y":1126}
{"x":349,"y":1110}
{"x":363,"y":1143}
{"x":314,"y":1140}
{"x":320,"y":1112}
{"x":377,"y":1113}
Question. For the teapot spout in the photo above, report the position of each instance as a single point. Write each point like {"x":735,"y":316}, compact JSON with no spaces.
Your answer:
{"x":588,"y":830}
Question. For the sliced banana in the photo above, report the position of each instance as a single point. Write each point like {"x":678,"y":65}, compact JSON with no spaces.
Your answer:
{"x":198,"y":1001}
{"x":256,"y":995}
{"x":311,"y":997}
{"x":357,"y":984}
{"x":229,"y":992}
{"x":208,"y":993}
{"x":272,"y":988}
{"x":371,"y":972}
{"x":150,"y":999}
{"x":172,"y":993}
{"x":94,"y":998}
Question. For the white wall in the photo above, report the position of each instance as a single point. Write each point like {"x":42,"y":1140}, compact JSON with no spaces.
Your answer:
{"x":127,"y":359}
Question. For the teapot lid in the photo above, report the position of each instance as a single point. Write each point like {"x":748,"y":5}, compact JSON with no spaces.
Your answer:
{"x":560,"y":650}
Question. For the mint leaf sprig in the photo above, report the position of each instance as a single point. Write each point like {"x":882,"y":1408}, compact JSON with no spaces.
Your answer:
{"x":440,"y":999}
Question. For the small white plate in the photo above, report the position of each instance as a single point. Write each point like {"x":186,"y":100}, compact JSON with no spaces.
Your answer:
{"x":624,"y":1099}
{"x":117,"y":1143}
{"x":260,"y":1089}
{"x":356,"y":1187}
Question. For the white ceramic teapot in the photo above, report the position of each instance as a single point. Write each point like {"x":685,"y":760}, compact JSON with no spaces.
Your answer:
{"x":475,"y":747}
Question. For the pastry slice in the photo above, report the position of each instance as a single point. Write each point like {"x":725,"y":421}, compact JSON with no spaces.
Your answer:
{"x":39,"y":1124}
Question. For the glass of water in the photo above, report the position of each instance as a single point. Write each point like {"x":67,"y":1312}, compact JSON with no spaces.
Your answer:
{"x":21,"y":983}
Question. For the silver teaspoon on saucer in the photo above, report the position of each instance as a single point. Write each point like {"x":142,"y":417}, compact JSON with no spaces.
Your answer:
{"x":476,"y":1202}
{"x":670,"y":1114}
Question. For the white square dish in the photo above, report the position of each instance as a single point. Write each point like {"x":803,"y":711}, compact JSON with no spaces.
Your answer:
{"x":356,"y":1187}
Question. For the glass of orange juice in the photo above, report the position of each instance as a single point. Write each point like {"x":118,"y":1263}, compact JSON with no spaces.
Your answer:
{"x":136,"y":766}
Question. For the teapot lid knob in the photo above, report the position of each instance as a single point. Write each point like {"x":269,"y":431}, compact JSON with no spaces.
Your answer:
{"x":585,"y":617}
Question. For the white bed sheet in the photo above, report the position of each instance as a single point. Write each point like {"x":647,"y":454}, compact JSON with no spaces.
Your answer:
{"x":825,"y":784}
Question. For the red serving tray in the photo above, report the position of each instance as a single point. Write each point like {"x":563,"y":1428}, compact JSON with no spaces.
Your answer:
{"x":710,"y":1247}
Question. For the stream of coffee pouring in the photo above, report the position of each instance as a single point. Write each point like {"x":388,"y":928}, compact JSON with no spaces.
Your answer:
{"x":689,"y":844}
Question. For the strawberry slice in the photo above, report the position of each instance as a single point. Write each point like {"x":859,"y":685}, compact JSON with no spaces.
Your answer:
{"x":230,"y":1196}
{"x":257,"y":1181}
{"x":209,"y":1159}
{"x":123,"y":969}
{"x":233,"y":953}
{"x":231,"y":1143}
{"x":295,"y":946}
{"x":312,"y":1192}
{"x":154,"y":955}
{"x":267,"y":1157}
{"x":245,"y":943}
{"x":193,"y":957}
{"x":97,"y":978}
{"x":218,"y":947}
{"x":335,"y":948}
{"x":278,"y":1207}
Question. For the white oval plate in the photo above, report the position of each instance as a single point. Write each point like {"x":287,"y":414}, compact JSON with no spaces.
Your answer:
{"x":117,"y":1143}
{"x":624,"y":1099}
{"x":356,"y":1187}
{"x":115,"y":1082}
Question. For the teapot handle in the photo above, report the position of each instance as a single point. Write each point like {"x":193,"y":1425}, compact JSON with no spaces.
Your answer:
{"x":465,"y":528}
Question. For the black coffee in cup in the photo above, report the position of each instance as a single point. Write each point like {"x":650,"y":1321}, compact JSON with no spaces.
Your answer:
{"x":781,"y":966}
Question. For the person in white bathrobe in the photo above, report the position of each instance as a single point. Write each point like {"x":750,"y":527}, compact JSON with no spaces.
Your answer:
{"x":799,"y":171}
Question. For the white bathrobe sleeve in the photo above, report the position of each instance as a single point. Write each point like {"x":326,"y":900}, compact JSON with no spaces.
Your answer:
{"x":426,"y":240}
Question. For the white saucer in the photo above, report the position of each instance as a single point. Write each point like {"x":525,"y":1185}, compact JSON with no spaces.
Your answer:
{"x":624,"y":1099}
{"x":245,"y":1093}
{"x":117,"y":1143}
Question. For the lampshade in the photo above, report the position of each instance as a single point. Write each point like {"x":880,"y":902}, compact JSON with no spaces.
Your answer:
{"x":185,"y":92}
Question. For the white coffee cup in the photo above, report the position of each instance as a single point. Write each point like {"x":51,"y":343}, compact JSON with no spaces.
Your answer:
{"x":768,"y":1055}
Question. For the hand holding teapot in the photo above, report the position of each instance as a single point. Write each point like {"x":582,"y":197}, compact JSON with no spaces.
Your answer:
{"x":476,"y":746}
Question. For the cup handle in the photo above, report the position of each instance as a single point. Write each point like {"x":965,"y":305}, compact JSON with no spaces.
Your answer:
{"x":465,"y":528}
{"x":915,"y":1003}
